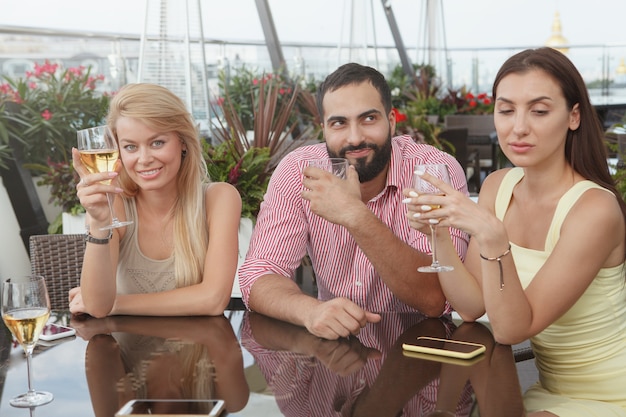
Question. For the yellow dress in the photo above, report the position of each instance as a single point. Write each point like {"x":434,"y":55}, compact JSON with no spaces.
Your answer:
{"x":581,"y":358}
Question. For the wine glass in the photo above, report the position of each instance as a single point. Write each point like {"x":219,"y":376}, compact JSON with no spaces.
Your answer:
{"x":338,"y":166}
{"x":25,"y":311}
{"x":424,"y":187}
{"x":99,"y":153}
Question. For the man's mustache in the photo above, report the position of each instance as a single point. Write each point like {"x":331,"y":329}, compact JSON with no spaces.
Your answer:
{"x":351,"y":148}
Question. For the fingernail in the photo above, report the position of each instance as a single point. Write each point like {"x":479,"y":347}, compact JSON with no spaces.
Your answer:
{"x":112,"y":174}
{"x":420,"y":173}
{"x":426,"y":208}
{"x":413,"y":194}
{"x":417,"y":215}
{"x":433,"y":221}
{"x":406,"y":200}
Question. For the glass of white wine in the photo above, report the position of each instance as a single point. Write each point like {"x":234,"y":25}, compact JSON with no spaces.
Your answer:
{"x":424,"y":187}
{"x":25,"y":311}
{"x":99,"y":152}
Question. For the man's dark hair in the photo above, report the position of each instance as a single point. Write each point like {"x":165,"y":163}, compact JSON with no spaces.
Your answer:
{"x":352,"y":73}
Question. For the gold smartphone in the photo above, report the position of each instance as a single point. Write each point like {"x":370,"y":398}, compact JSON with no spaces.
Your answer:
{"x":445,"y":347}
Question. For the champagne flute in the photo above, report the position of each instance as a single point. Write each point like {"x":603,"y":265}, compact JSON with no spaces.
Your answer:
{"x":99,"y":153}
{"x":25,"y":311}
{"x":424,"y":187}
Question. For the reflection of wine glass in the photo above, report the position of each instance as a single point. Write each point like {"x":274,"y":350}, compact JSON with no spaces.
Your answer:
{"x":99,"y":153}
{"x":25,"y":311}
{"x":424,"y":187}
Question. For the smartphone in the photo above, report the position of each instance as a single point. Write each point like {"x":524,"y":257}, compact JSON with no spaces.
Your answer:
{"x":445,"y":347}
{"x":52,"y":331}
{"x":180,"y":408}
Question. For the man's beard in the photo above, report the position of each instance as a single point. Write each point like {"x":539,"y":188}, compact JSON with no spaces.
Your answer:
{"x":367,"y":171}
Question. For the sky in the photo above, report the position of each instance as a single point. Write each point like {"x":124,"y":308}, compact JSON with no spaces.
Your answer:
{"x":469,"y":23}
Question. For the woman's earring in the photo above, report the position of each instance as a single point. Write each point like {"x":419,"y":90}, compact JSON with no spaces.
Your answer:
{"x":184,"y":153}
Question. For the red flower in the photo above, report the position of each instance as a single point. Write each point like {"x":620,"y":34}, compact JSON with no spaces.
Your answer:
{"x":46,"y":114}
{"x":235,"y":172}
{"x":400,"y":117}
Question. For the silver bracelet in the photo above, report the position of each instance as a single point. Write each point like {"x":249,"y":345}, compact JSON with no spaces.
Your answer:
{"x":499,"y":260}
{"x":90,"y":239}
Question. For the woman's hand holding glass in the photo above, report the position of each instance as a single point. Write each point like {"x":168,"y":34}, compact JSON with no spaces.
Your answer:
{"x":423,"y":186}
{"x":95,"y":189}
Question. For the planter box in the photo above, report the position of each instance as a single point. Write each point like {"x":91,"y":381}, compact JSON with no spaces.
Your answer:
{"x":73,"y":223}
{"x":245,"y":233}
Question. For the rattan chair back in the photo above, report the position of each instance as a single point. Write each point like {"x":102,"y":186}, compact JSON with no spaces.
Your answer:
{"x":59,"y":258}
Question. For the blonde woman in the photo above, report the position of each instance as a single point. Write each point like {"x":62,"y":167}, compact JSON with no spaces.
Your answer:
{"x":179,"y":256}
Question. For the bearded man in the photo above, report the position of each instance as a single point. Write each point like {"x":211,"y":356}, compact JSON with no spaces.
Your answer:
{"x":355,"y":230}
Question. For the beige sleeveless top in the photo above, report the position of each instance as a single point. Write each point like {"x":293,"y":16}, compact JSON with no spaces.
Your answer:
{"x":136,"y":273}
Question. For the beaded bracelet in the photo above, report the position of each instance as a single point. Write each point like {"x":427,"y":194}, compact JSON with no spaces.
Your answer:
{"x":499,"y":260}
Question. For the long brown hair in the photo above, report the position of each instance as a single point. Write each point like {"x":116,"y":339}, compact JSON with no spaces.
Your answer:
{"x":585,"y":147}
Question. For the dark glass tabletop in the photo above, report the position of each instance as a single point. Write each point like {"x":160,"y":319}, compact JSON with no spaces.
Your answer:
{"x":261,"y":367}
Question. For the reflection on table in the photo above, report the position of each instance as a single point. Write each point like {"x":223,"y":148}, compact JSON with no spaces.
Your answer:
{"x":370,"y":375}
{"x":116,"y":359}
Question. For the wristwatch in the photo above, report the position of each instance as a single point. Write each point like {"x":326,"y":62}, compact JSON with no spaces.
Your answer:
{"x":89,"y":238}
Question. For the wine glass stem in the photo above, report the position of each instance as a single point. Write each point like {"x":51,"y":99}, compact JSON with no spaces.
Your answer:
{"x":29,"y":358}
{"x":433,"y":245}
{"x":110,"y":198}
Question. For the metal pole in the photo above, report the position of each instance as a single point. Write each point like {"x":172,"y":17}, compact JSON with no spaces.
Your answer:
{"x":393,"y":26}
{"x":271,"y":38}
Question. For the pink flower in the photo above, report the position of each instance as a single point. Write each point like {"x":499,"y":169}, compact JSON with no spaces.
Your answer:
{"x":32,"y":85}
{"x":77,"y":71}
{"x":46,"y":114}
{"x":46,"y":68}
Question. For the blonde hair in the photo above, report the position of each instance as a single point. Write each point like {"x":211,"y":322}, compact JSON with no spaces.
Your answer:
{"x":163,"y":111}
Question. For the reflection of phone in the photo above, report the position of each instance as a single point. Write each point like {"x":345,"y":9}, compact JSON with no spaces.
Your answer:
{"x":444,"y":359}
{"x":52,"y":331}
{"x":210,"y":408}
{"x":445,"y":347}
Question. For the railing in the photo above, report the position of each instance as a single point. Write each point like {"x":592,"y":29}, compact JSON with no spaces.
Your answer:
{"x":115,"y":55}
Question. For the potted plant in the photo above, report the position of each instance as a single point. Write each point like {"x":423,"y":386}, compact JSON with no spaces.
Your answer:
{"x":264,"y":117}
{"x":40,"y":114}
{"x":61,"y":179}
{"x":52,"y":103}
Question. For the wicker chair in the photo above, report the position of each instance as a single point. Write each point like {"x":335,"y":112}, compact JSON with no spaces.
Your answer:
{"x":59,"y":258}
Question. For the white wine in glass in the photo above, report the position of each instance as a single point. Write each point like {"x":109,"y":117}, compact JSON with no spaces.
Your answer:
{"x":25,"y":311}
{"x":99,"y":153}
{"x":424,"y":187}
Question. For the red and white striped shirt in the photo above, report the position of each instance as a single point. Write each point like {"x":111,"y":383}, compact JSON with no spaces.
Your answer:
{"x":286,"y":229}
{"x":303,"y":385}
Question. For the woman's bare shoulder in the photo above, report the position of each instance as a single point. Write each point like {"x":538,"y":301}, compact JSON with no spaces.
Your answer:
{"x":222,"y":194}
